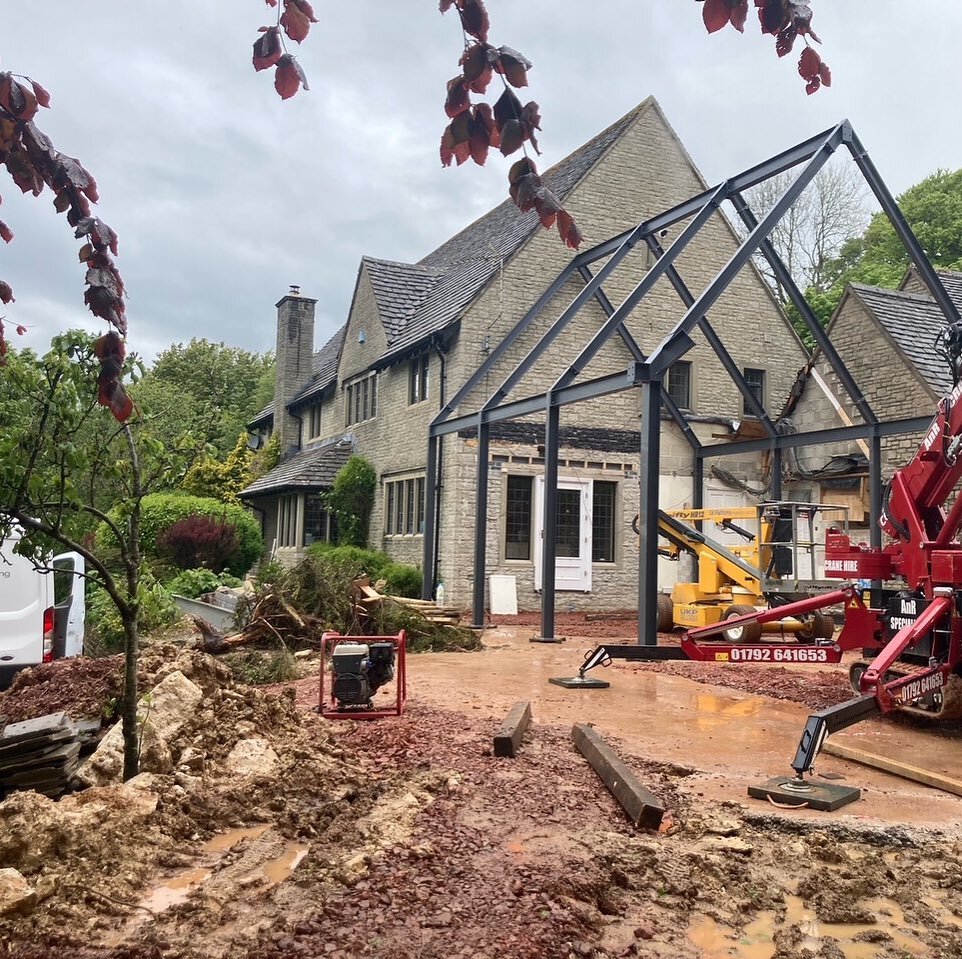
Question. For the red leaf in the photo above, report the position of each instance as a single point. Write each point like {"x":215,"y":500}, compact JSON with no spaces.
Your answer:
{"x":476,"y":61}
{"x":785,"y":41}
{"x":772,"y":15}
{"x":21,"y":329}
{"x":16,"y":99}
{"x":297,"y":19}
{"x":568,"y":229}
{"x":458,"y":99}
{"x":812,"y":85}
{"x":716,"y":14}
{"x":43,"y":98}
{"x":6,"y":234}
{"x":474,"y":18}
{"x":524,"y":191}
{"x":809,"y":64}
{"x":825,"y":75}
{"x":512,"y":136}
{"x":522,"y":168}
{"x":445,"y":5}
{"x":267,"y":48}
{"x":508,"y":107}
{"x":738,"y":18}
{"x":513,"y":66}
{"x":548,"y":207}
{"x":288,"y":77}
{"x":271,"y":3}
{"x":6,"y":293}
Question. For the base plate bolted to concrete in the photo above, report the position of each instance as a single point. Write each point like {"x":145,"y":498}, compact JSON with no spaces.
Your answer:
{"x":790,"y":792}
{"x":579,"y":682}
{"x":548,"y":639}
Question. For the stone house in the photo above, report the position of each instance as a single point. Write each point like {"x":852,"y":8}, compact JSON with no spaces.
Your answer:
{"x":416,"y":332}
{"x":887,"y":339}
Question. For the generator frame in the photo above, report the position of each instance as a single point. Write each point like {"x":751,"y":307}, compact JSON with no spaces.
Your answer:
{"x":331,"y":711}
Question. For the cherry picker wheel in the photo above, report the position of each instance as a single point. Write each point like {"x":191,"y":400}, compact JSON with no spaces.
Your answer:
{"x":746,"y":632}
{"x":665,"y":613}
{"x":855,"y":673}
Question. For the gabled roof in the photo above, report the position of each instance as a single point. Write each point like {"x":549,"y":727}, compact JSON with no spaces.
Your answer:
{"x":913,"y":321}
{"x":323,"y":373}
{"x":312,"y":468}
{"x":399,"y":289}
{"x":462,"y":266}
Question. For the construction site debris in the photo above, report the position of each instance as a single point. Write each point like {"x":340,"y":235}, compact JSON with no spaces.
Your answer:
{"x":507,"y":740}
{"x":40,"y":754}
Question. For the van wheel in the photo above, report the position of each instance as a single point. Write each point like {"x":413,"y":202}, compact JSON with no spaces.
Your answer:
{"x":665,"y":613}
{"x":820,"y":626}
{"x":747,"y":632}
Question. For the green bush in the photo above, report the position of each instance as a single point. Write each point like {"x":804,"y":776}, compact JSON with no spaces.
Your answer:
{"x":161,"y":510}
{"x":157,"y":609}
{"x":353,"y":560}
{"x":351,"y":500}
{"x":195,"y":582}
{"x":402,"y":580}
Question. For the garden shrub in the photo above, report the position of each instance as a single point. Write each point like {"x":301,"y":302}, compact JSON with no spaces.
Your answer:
{"x":160,"y":511}
{"x":199,"y":541}
{"x":157,"y":609}
{"x":351,"y":500}
{"x":196,"y":582}
{"x":402,"y":580}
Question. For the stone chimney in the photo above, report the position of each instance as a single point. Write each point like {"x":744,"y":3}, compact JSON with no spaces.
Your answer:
{"x":295,"y":356}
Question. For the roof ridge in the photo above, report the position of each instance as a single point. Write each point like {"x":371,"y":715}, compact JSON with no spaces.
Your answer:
{"x":888,"y":291}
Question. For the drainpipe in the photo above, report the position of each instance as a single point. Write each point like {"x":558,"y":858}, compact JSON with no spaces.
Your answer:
{"x":440,"y":473}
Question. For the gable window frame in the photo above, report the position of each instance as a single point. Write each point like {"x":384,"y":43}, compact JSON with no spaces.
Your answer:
{"x":604,"y":509}
{"x":518,"y":540}
{"x":360,"y":404}
{"x":418,"y":378}
{"x":678,"y":384}
{"x":756,"y":379}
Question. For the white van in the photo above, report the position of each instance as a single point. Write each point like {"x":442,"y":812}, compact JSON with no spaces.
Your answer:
{"x":41,"y":613}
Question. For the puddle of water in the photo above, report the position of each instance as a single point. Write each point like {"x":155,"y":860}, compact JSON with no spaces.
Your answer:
{"x":756,"y":941}
{"x":945,"y":915}
{"x":175,"y":890}
{"x":277,"y":870}
{"x":227,"y":840}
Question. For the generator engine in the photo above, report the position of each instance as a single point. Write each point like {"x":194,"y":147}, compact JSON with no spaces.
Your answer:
{"x":358,"y":670}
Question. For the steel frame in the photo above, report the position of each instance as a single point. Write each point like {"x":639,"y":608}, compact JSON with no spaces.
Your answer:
{"x":647,"y":373}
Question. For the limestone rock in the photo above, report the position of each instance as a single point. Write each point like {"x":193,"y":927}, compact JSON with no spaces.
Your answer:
{"x":164,"y":711}
{"x":252,"y":758}
{"x":16,"y":894}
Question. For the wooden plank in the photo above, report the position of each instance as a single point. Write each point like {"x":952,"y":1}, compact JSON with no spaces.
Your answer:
{"x":914,"y":773}
{"x":643,"y":808}
{"x":507,"y":742}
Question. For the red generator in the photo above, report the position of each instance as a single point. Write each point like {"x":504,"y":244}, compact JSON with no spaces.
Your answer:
{"x":359,"y":666}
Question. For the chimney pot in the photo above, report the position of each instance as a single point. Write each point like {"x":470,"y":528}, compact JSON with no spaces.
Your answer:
{"x":295,"y":290}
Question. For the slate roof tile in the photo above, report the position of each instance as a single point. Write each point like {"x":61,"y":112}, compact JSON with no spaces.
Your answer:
{"x":312,"y":468}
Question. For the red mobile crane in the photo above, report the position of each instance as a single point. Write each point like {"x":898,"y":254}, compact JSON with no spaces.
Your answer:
{"x":916,"y":632}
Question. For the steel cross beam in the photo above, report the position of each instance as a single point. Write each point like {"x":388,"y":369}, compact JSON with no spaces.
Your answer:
{"x":751,"y":243}
{"x":633,"y":348}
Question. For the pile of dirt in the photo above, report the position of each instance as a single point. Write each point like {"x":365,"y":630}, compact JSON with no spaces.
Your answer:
{"x":81,"y":687}
{"x":815,"y":688}
{"x":610,"y":625}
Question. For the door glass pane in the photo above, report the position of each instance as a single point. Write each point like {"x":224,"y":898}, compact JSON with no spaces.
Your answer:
{"x":603,"y":522}
{"x":569,"y":523}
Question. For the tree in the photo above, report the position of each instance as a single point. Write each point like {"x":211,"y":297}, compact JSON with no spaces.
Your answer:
{"x":811,"y":235}
{"x":932,"y":208}
{"x":351,"y":499}
{"x":221,"y":387}
{"x":53,"y":432}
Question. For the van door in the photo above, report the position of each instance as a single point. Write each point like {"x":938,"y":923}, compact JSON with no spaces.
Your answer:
{"x":25,"y":599}
{"x":69,"y":605}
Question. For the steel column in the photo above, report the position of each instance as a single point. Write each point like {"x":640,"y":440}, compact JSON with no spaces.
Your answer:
{"x":875,"y":506}
{"x":480,"y":523}
{"x":549,"y":517}
{"x":776,"y":484}
{"x":648,"y":474}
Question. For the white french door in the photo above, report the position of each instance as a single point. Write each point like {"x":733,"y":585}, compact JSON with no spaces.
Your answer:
{"x":573,"y":535}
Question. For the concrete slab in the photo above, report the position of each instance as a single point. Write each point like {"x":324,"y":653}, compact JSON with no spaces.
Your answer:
{"x":810,"y":795}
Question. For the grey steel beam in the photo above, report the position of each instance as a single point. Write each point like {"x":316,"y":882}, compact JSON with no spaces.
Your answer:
{"x":776,"y":484}
{"x":743,"y":181}
{"x":431,"y":509}
{"x":715,"y":342}
{"x":564,"y":318}
{"x":875,"y":506}
{"x":744,"y":253}
{"x":818,"y":331}
{"x":837,"y":434}
{"x":591,"y":389}
{"x":549,"y":518}
{"x":590,"y":350}
{"x":480,"y":523}
{"x":902,"y":229}
{"x":602,"y":299}
{"x":648,"y":476}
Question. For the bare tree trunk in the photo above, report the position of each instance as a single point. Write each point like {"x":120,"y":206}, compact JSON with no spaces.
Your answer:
{"x":131,"y":630}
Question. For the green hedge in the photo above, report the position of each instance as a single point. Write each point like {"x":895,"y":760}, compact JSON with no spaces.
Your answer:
{"x":160,"y":511}
{"x":401,"y":579}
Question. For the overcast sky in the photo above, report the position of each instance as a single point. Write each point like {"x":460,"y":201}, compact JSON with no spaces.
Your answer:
{"x":223,"y":195}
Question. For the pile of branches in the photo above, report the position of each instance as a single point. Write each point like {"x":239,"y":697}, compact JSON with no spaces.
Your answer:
{"x":319,"y":596}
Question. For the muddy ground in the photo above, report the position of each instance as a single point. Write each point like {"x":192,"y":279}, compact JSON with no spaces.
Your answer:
{"x":407,"y":838}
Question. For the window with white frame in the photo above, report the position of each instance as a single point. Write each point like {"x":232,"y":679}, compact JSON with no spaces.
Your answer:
{"x":404,"y":506}
{"x":361,"y":400}
{"x":418,"y":379}
{"x":287,"y":520}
